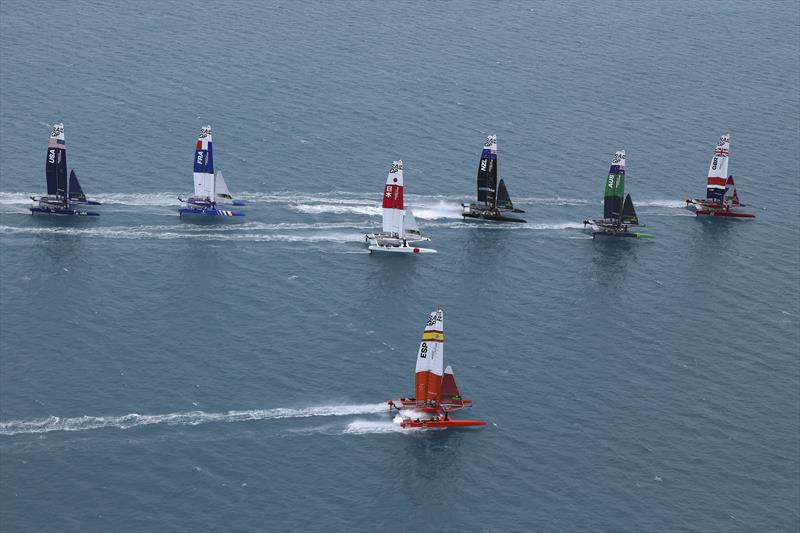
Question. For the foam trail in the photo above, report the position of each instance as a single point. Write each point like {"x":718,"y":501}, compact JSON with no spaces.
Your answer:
{"x":189,"y":418}
{"x":366,"y":427}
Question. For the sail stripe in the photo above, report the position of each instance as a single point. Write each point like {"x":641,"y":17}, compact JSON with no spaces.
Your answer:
{"x":433,"y":336}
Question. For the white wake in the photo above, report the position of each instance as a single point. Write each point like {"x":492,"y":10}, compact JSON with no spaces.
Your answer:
{"x":189,"y":418}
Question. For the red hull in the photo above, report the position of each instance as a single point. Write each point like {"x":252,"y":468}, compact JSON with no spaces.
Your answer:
{"x":441,"y":423}
{"x":723,"y":213}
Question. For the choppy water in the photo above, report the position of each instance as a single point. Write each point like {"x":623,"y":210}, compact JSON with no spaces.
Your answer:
{"x":162,"y":376}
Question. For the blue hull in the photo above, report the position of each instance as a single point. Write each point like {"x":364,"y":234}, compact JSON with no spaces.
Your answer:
{"x":207,"y":214}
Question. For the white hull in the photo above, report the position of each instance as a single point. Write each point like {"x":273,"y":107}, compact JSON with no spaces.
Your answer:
{"x":394,"y":245}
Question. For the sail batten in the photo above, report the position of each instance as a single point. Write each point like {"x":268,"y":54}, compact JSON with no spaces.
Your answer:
{"x":615,"y":187}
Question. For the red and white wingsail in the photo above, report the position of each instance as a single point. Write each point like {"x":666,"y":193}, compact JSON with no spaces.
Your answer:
{"x":718,"y":170}
{"x":430,"y":360}
{"x":393,"y":200}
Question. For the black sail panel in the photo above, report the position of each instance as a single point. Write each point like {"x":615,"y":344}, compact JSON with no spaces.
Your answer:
{"x":75,"y":191}
{"x":503,"y":199}
{"x":628,"y":212}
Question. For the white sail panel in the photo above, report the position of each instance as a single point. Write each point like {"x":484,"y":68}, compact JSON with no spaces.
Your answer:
{"x":410,"y":228}
{"x":221,"y":187}
{"x":204,"y":165}
{"x":393,"y":200}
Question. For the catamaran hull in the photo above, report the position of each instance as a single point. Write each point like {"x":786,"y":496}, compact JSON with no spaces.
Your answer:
{"x":722,"y":213}
{"x":441,"y":423}
{"x":209,"y":215}
{"x":63,"y":211}
{"x":605,"y":231}
{"x":471,"y":211}
{"x":394,"y":245}
{"x":401,"y":249}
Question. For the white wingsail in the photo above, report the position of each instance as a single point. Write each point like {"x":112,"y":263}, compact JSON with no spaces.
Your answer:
{"x":393,"y":200}
{"x":718,"y":170}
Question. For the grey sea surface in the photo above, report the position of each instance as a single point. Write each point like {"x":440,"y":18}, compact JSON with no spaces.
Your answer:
{"x":157,"y":375}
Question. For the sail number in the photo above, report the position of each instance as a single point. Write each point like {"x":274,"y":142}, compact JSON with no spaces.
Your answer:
{"x":483,"y":165}
{"x":52,"y":156}
{"x":423,"y":350}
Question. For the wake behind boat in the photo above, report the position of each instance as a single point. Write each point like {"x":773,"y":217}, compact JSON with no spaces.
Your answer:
{"x":209,"y":187}
{"x":618,"y":216}
{"x":494,"y":202}
{"x":63,"y":195}
{"x":400,"y":230}
{"x":437,"y":395}
{"x":721,"y":196}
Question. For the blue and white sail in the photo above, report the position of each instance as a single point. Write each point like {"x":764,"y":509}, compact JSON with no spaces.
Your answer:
{"x":204,"y":166}
{"x":208,"y":185}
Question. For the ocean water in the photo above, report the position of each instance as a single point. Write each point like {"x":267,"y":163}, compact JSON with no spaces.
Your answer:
{"x":157,"y":375}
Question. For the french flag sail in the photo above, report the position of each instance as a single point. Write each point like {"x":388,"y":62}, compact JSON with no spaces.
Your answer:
{"x":393,"y":211}
{"x":430,"y":360}
{"x":718,"y":170}
{"x":56,"y":163}
{"x":204,"y":166}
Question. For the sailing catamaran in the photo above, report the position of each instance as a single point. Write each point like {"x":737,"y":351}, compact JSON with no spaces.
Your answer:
{"x":494,"y":203}
{"x":208,"y":186}
{"x":437,"y":394}
{"x":618,"y":216}
{"x":721,"y":197}
{"x":400,"y":229}
{"x":62,"y":194}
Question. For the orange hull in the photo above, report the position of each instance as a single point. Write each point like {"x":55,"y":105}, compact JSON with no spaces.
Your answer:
{"x":441,"y":423}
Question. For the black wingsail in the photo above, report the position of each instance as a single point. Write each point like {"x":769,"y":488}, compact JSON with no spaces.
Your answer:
{"x":56,"y":163}
{"x":628,"y":212}
{"x":487,"y":171}
{"x":75,"y":191}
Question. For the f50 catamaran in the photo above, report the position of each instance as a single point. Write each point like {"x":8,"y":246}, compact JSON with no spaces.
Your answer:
{"x":209,"y":188}
{"x":62,"y":195}
{"x":618,"y":216}
{"x":400,"y":230}
{"x":494,"y":203}
{"x":437,"y":394}
{"x":721,"y":197}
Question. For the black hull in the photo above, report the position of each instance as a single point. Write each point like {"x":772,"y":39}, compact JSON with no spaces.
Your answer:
{"x":492,"y":216}
{"x":62,"y":212}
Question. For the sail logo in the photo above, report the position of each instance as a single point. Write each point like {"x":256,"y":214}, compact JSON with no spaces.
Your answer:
{"x":201,"y":157}
{"x":423,"y":350}
{"x":714,"y":164}
{"x":51,"y":156}
{"x":611,"y":183}
{"x":388,"y":191}
{"x":483,"y":165}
